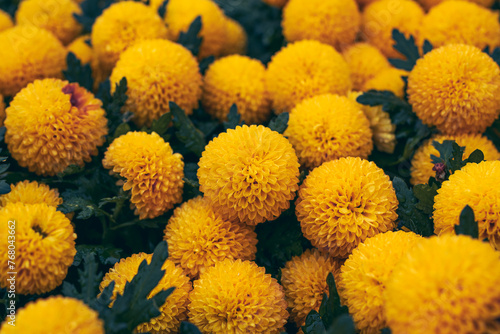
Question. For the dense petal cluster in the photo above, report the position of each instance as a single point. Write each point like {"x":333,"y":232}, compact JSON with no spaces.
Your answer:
{"x":249,"y":174}
{"x":343,"y":202}
{"x":27,"y":192}
{"x":427,"y":4}
{"x":389,"y":79}
{"x":236,"y":38}
{"x":152,"y":171}
{"x":237,"y":296}
{"x":5,"y":21}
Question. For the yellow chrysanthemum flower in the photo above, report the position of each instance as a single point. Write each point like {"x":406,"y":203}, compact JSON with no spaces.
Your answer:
{"x":276,"y":3}
{"x":427,"y":4}
{"x":333,"y":22}
{"x":475,"y":185}
{"x":249,"y":174}
{"x":121,"y":25}
{"x":343,"y":202}
{"x":381,"y":17}
{"x":236,"y":38}
{"x":328,"y":127}
{"x":5,"y":21}
{"x":175,"y":308}
{"x":158,"y":71}
{"x":27,"y":54}
{"x":81,"y":49}
{"x":52,"y":124}
{"x":236,"y":80}
{"x":389,"y":79}
{"x":446,"y":285}
{"x":45,"y":246}
{"x":56,"y":314}
{"x":304,"y":281}
{"x":152,"y":171}
{"x":237,"y":296}
{"x":455,"y":88}
{"x":365,"y":273}
{"x":27,"y":192}
{"x":198,"y":238}
{"x":421,"y":163}
{"x":305,"y":69}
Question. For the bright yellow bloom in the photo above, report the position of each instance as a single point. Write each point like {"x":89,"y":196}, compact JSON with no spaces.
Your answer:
{"x":237,"y":297}
{"x":365,"y":273}
{"x":5,"y":21}
{"x":455,"y":88}
{"x":158,"y":71}
{"x":236,"y":79}
{"x":236,"y":38}
{"x":27,"y":54}
{"x":56,"y":314}
{"x":249,"y":174}
{"x":328,"y":127}
{"x":81,"y":49}
{"x":389,"y":79}
{"x":175,"y":308}
{"x":343,"y":202}
{"x":276,"y":3}
{"x":45,"y":246}
{"x":427,"y":4}
{"x":305,"y":69}
{"x":198,"y":238}
{"x":475,"y":185}
{"x":27,"y":192}
{"x":446,"y":285}
{"x":421,"y":163}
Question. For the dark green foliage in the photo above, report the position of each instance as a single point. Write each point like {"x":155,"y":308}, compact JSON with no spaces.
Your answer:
{"x":280,"y":122}
{"x":425,"y":194}
{"x":187,"y":133}
{"x":205,"y":64}
{"x":89,"y":279}
{"x":161,"y":125}
{"x":233,"y":118}
{"x":4,"y":187}
{"x":451,"y":157}
{"x":113,"y":104}
{"x":162,"y":10}
{"x":188,"y":328}
{"x":191,"y":39}
{"x":9,"y":6}
{"x":106,"y":255}
{"x":468,"y":225}
{"x":408,"y":48}
{"x":91,"y":9}
{"x":495,"y":54}
{"x":76,"y":72}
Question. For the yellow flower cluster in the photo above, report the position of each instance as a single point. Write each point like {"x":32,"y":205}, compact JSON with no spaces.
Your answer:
{"x":427,"y":4}
{"x":5,"y":21}
{"x":27,"y":192}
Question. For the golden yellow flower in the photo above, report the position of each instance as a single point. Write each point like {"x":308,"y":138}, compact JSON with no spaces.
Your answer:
{"x":276,"y":3}
{"x":121,"y":25}
{"x":52,"y":124}
{"x":5,"y":21}
{"x":249,"y":174}
{"x":236,"y":39}
{"x":446,"y":285}
{"x":56,"y":314}
{"x":343,"y":202}
{"x":28,"y":53}
{"x":381,"y":17}
{"x":427,"y":4}
{"x":236,"y":80}
{"x":158,"y":71}
{"x":27,"y":192}
{"x":475,"y":185}
{"x":81,"y":49}
{"x":305,"y":69}
{"x":328,"y":127}
{"x":152,"y":171}
{"x":455,"y":88}
{"x":175,"y":308}
{"x":44,"y":246}
{"x":389,"y":79}
{"x":365,"y":273}
{"x":237,"y":296}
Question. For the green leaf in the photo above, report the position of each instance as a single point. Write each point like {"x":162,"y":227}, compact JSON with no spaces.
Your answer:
{"x":233,"y":118}
{"x":425,"y":194}
{"x":450,"y":153}
{"x":407,"y":48}
{"x":107,"y":255}
{"x":91,"y":9}
{"x":495,"y":54}
{"x":330,"y":307}
{"x":205,"y":64}
{"x":191,"y":39}
{"x":475,"y":157}
{"x":314,"y":324}
{"x":343,"y":324}
{"x":386,"y":330}
{"x":71,"y":170}
{"x":161,"y":125}
{"x":89,"y":279}
{"x":280,"y":122}
{"x":389,"y":102}
{"x":188,"y":328}
{"x":121,"y":130}
{"x":85,"y":207}
{"x":468,"y":225}
{"x":187,"y":133}
{"x":76,"y":72}
{"x":162,"y":10}
{"x":113,"y":104}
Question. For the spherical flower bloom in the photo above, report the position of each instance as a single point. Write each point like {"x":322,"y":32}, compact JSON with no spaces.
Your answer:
{"x":333,"y":22}
{"x":175,"y":308}
{"x":56,"y":314}
{"x":56,"y":16}
{"x":237,"y":296}
{"x":27,"y":192}
{"x":343,"y":202}
{"x":158,"y":71}
{"x":389,"y":79}
{"x":81,"y":49}
{"x":445,"y":285}
{"x":276,"y":3}
{"x":427,"y":4}
{"x":474,"y":185}
{"x":153,"y":172}
{"x":305,"y":69}
{"x":328,"y":127}
{"x":249,"y":174}
{"x":236,"y":38}
{"x":52,"y":124}
{"x":121,"y":25}
{"x":27,"y":54}
{"x":198,"y":238}
{"x":421,"y":163}
{"x":381,"y":17}
{"x":5,"y":21}
{"x":365,"y":273}
{"x":455,"y":88}
{"x":304,"y":281}
{"x":45,"y":246}
{"x":236,"y":80}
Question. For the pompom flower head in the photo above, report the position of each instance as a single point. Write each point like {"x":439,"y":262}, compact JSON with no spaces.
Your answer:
{"x":343,"y":202}
{"x":236,"y":38}
{"x":389,"y":79}
{"x":158,"y":72}
{"x":5,"y":21}
{"x":446,"y":285}
{"x":249,"y":174}
{"x":81,"y":49}
{"x":27,"y":192}
{"x":52,"y":124}
{"x":175,"y":308}
{"x":427,"y":4}
{"x":45,"y":246}
{"x":455,"y":88}
{"x":328,"y":127}
{"x":198,"y":238}
{"x":237,"y":296}
{"x":152,"y":171}
{"x":305,"y":69}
